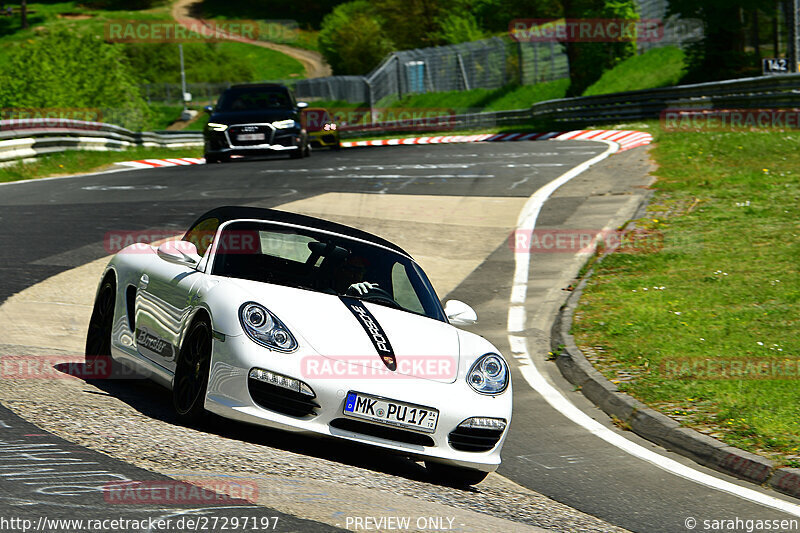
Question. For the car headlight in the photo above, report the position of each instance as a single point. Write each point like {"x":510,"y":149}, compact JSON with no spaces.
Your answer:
{"x":283,"y":124}
{"x":215,"y":126}
{"x":489,"y":374}
{"x":265,"y":328}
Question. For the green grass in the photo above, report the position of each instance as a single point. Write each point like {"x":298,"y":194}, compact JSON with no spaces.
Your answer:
{"x":163,"y":115}
{"x":267,"y":64}
{"x":658,"y":67}
{"x":75,"y":162}
{"x":727,"y":206}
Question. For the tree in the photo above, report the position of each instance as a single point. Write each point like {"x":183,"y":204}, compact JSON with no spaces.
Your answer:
{"x":352,"y":38}
{"x":588,"y":60}
{"x":457,"y":28}
{"x":721,"y":53}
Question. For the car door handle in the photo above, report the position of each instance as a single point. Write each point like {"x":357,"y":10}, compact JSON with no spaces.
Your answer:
{"x":144,"y":281}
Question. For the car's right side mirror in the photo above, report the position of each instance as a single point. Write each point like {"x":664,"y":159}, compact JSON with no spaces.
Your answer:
{"x":459,"y":313}
{"x":209,"y":109}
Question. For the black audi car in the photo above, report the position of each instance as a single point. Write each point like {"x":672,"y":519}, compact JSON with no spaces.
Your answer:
{"x":255,"y":119}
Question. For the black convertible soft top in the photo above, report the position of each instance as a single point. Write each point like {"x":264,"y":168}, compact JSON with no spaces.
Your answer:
{"x":231,"y":212}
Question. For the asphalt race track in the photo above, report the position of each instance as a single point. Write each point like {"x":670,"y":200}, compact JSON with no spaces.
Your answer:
{"x":453,"y":207}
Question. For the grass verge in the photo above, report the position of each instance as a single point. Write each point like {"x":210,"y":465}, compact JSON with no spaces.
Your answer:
{"x":658,"y":67}
{"x":79,"y":161}
{"x":699,"y":326}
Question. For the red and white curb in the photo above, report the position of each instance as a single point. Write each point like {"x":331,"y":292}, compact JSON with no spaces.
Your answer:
{"x":626,"y":139}
{"x":155,"y":163}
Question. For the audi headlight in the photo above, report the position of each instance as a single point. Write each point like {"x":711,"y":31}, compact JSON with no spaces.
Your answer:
{"x":283,"y":124}
{"x":265,"y":328}
{"x":489,"y":374}
{"x":215,"y":126}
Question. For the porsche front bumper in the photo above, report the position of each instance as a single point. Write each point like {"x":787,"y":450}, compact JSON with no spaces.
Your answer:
{"x":228,"y":395}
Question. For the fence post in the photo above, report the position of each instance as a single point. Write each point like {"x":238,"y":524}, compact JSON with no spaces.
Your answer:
{"x":463,"y":71}
{"x":370,"y":101}
{"x":793,"y":20}
{"x":399,"y":77}
{"x":427,"y":73}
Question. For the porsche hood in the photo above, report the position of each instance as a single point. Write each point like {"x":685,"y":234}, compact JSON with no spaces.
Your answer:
{"x":379,"y":339}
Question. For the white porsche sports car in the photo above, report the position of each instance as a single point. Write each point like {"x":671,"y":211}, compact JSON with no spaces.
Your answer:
{"x":294,"y":322}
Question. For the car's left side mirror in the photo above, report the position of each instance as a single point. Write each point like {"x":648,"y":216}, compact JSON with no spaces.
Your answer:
{"x":209,"y":109}
{"x":302,"y":105}
{"x":459,"y":313}
{"x":179,"y":252}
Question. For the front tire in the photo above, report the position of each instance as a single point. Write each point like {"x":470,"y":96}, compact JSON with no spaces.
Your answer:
{"x":191,"y":373}
{"x":98,"y":361}
{"x":455,"y":475}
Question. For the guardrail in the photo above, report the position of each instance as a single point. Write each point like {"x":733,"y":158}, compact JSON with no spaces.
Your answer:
{"x":763,"y":92}
{"x":29,"y":138}
{"x":22,"y":139}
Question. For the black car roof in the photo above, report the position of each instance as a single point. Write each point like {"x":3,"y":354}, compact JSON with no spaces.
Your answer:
{"x":230,"y":212}
{"x":258,"y":86}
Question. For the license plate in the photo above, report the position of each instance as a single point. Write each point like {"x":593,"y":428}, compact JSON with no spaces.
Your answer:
{"x":393,"y":413}
{"x":251,"y":137}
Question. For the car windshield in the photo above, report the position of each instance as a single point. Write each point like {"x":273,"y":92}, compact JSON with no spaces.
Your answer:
{"x":332,"y":264}
{"x":254,"y":99}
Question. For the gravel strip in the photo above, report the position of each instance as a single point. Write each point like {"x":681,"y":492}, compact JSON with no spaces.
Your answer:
{"x":132,"y":421}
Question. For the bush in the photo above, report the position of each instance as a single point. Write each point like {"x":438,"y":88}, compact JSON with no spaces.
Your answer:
{"x":352,"y":39}
{"x":69,"y":70}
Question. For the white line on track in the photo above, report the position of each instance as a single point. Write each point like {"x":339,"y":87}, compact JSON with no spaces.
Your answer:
{"x":403,"y":176}
{"x":516,"y":323}
{"x":51,"y":178}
